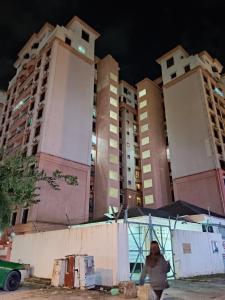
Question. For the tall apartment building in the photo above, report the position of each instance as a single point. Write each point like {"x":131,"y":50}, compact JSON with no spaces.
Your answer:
{"x":193,"y":90}
{"x":48,"y":113}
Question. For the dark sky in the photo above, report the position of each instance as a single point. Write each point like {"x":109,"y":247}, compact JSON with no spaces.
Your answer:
{"x":134,"y":34}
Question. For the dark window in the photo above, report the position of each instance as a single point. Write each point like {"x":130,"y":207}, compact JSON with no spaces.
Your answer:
{"x":25,"y":216}
{"x":85,"y":36}
{"x":32,"y":106}
{"x":10,"y":113}
{"x":95,"y":88}
{"x":213,"y":119}
{"x":48,"y":53}
{"x":13,"y":221}
{"x":36,"y":77}
{"x":37,"y":130}
{"x":210,"y":105}
{"x":34,"y":149}
{"x":135,"y":97}
{"x":125,"y":90}
{"x":135,"y":139}
{"x":96,"y":66}
{"x":26,"y":56}
{"x":94,"y":127}
{"x":221,"y":125}
{"x":120,"y":135}
{"x":170,"y":62}
{"x":35,"y":45}
{"x":129,"y":169}
{"x":216,"y":134}
{"x":27,"y":138}
{"x":135,"y":118}
{"x":39,"y":63}
{"x":128,"y":156}
{"x":6,"y":107}
{"x":187,"y":68}
{"x":136,"y":106}
{"x":68,"y":41}
{"x":7,"y":127}
{"x":129,"y":182}
{"x":174,"y":75}
{"x":207,"y":92}
{"x":128,"y":133}
{"x":136,"y":162}
{"x":4,"y":141}
{"x":124,"y":100}
{"x":42,"y":97}
{"x":34,"y":90}
{"x":214,"y":69}
{"x":219,"y":149}
{"x":46,"y":66}
{"x":3,"y":120}
{"x":40,"y":113}
{"x":12,"y":101}
{"x":0,"y":132}
{"x":44,"y":81}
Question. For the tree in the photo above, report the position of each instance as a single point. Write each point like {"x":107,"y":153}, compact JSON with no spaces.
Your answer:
{"x":19,"y":177}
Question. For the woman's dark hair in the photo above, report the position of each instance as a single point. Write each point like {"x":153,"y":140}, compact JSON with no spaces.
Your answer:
{"x":153,"y":259}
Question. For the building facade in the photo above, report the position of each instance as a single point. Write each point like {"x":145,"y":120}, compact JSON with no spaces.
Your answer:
{"x":193,"y":90}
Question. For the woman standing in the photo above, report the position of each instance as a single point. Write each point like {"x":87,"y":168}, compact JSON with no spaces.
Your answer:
{"x":156,"y":267}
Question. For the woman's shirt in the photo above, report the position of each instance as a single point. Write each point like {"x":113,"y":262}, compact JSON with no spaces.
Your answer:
{"x":157,"y":274}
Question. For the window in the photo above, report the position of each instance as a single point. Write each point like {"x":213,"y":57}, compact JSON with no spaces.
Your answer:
{"x":135,"y":139}
{"x":42,"y":97}
{"x":34,"y":90}
{"x":4,"y":141}
{"x":113,"y":159}
{"x":113,"y":77}
{"x":113,"y":102}
{"x":142,"y":93}
{"x":48,"y":53}
{"x":39,"y":63}
{"x":25,"y":216}
{"x":145,"y":141}
{"x":113,"y":192}
{"x":213,"y":119}
{"x":137,"y":174}
{"x":113,"y":175}
{"x":147,"y":183}
{"x":13,"y":219}
{"x":113,"y":128}
{"x":170,"y":62}
{"x":34,"y":149}
{"x":81,"y":49}
{"x":128,"y":133}
{"x":32,"y":106}
{"x":138,"y":201}
{"x":113,"y":115}
{"x":138,"y":186}
{"x":37,"y":130}
{"x":27,"y":138}
{"x":46,"y":68}
{"x":7,"y":127}
{"x":125,"y":90}
{"x":174,"y":75}
{"x":144,"y":128}
{"x":44,"y":81}
{"x":146,"y":154}
{"x":129,"y":169}
{"x":36,"y":77}
{"x":147,"y":168}
{"x":187,"y":68}
{"x":85,"y":36}
{"x":143,"y":104}
{"x":135,"y":118}
{"x":113,"y":89}
{"x":68,"y":41}
{"x":136,"y":162}
{"x":149,"y":199}
{"x":129,"y":182}
{"x":10,"y":113}
{"x":128,"y":156}
{"x":219,"y":149}
{"x":113,"y":143}
{"x":143,"y":116}
{"x":35,"y":46}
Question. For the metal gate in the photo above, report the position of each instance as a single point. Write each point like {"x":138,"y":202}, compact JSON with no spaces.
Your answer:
{"x":140,"y":235}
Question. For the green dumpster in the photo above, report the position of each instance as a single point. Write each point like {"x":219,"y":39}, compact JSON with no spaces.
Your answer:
{"x":10,"y":275}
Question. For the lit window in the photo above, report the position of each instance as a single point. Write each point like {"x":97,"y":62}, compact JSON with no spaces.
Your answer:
{"x":93,"y":139}
{"x":113,"y":115}
{"x":113,"y":143}
{"x":113,"y":192}
{"x":143,"y":103}
{"x":113,"y":102}
{"x":168,"y":153}
{"x":144,"y":128}
{"x":145,"y":141}
{"x":146,"y":154}
{"x":149,"y":199}
{"x":147,"y":183}
{"x":113,"y":89}
{"x":113,"y":175}
{"x":142,"y":93}
{"x":113,"y":128}
{"x":82,"y":49}
{"x":113,"y":159}
{"x":147,"y":168}
{"x":138,"y":201}
{"x":143,"y":115}
{"x":113,"y":77}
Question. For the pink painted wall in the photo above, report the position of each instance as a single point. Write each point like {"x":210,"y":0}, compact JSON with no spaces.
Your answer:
{"x":205,"y":189}
{"x":70,"y":200}
{"x":67,"y":125}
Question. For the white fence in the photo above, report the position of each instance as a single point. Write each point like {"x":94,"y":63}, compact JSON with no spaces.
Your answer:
{"x":197,"y":253}
{"x":108,"y":243}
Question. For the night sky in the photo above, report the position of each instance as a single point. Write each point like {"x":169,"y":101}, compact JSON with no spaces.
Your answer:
{"x":135,"y":35}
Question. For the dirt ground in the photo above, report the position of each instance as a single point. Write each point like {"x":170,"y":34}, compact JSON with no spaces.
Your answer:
{"x":192,"y":289}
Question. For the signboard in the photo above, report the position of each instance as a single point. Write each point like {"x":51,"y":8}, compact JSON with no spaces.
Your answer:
{"x":186,"y":248}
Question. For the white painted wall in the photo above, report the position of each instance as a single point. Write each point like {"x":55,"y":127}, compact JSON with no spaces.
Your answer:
{"x":201,"y":260}
{"x":108,"y":243}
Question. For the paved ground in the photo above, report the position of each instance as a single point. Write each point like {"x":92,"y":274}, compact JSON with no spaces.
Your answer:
{"x":195,"y":289}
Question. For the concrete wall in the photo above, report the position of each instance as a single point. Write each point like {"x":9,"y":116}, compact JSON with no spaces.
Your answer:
{"x":68,"y":117}
{"x":199,"y":258}
{"x":108,"y":243}
{"x":190,"y":144}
